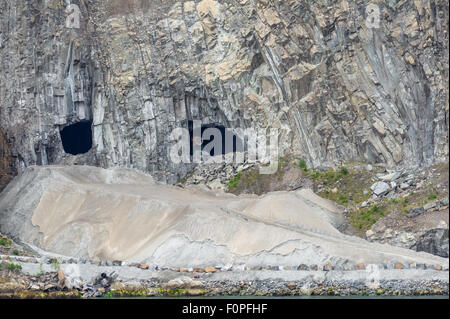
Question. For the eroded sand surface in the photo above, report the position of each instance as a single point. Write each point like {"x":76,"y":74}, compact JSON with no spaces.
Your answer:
{"x":120,"y":214}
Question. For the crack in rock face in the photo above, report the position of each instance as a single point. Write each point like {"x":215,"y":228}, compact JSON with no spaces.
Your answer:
{"x":336,"y":87}
{"x":122,"y":214}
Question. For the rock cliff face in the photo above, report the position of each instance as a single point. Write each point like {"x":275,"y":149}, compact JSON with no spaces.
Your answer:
{"x":335,"y":89}
{"x":5,"y":162}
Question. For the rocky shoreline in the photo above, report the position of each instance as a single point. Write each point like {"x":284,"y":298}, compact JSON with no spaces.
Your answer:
{"x":26,"y":277}
{"x":254,"y":284}
{"x":33,"y":275}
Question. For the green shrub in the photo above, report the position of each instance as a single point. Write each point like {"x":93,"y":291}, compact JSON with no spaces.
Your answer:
{"x":343,"y":199}
{"x":234,"y":182}
{"x":12,"y":266}
{"x":5,"y":242}
{"x":315,"y":175}
{"x":432,"y":196}
{"x":16,"y":252}
{"x":302,"y":164}
{"x":365,"y":218}
{"x":108,"y":294}
{"x":344,"y":170}
{"x":405,"y":201}
{"x":41,"y":270}
{"x":55,"y":263}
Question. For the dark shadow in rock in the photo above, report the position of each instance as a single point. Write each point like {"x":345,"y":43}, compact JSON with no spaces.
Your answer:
{"x":77,"y":138}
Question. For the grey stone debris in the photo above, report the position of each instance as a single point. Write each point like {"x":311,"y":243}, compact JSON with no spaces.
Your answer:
{"x":380,"y":188}
{"x":404,"y":186}
{"x":421,"y":266}
{"x":442,"y":224}
{"x":430,"y":205}
{"x":390,"y":177}
{"x":274,"y":268}
{"x":416,"y":211}
{"x":303,"y":267}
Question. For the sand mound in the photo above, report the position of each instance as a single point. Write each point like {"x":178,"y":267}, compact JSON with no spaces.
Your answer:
{"x":120,"y":214}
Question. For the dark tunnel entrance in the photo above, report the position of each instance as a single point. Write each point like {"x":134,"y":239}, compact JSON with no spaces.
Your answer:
{"x":224,"y":132}
{"x":77,"y":138}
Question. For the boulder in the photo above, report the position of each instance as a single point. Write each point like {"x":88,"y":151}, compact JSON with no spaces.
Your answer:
{"x":380,"y":188}
{"x":404,"y":186}
{"x":61,"y":279}
{"x":183,"y":282}
{"x":434,"y":241}
{"x":414,"y":212}
{"x":328,"y":267}
{"x":302,"y":267}
{"x":398,"y":266}
{"x":390,"y":177}
{"x":431,"y":205}
{"x":369,"y":233}
{"x":210,"y":269}
{"x":360,"y":267}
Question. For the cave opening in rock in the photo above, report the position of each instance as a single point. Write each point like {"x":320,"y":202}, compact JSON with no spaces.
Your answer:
{"x":224,"y":133}
{"x":77,"y":138}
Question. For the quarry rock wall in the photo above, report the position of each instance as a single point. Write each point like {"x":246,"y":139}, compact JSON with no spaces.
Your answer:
{"x":338,"y":83}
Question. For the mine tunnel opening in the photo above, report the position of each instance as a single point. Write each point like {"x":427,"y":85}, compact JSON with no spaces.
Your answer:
{"x":232,"y":146}
{"x":77,"y":138}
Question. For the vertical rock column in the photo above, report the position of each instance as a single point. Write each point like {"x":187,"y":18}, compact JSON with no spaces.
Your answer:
{"x":45,"y":79}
